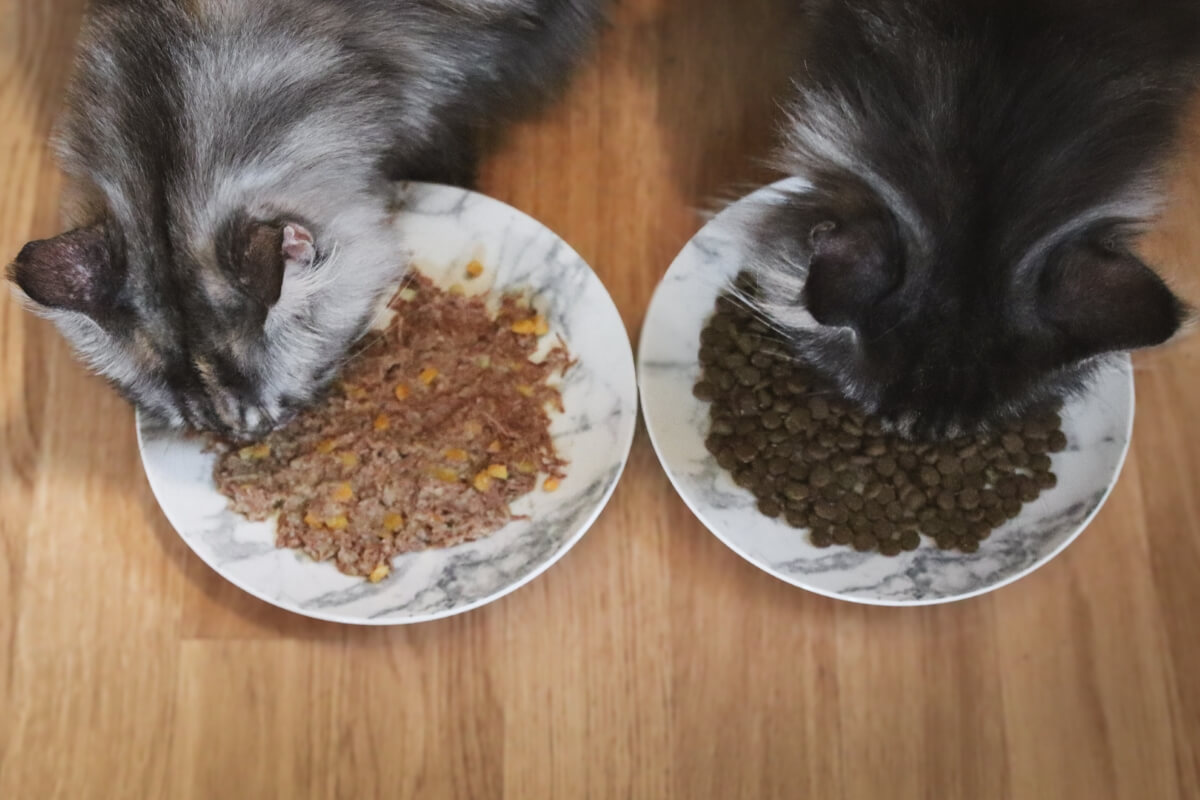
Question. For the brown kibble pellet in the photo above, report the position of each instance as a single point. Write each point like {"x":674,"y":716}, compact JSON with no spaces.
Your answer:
{"x":1040,"y":463}
{"x":1046,"y":480}
{"x":818,"y":407}
{"x":842,"y":535}
{"x":747,"y":375}
{"x":968,"y":544}
{"x":930,"y":476}
{"x":890,"y":548}
{"x":745,"y":450}
{"x":769,"y":508}
{"x":821,"y":538}
{"x":968,"y":499}
{"x":912,"y":498}
{"x":886,"y":466}
{"x":946,"y":465}
{"x":796,"y":517}
{"x":945,"y":501}
{"x":1012,"y":443}
{"x":797,"y":420}
{"x":1056,"y":442}
{"x":821,"y":476}
{"x":864,"y":543}
{"x":910,"y":540}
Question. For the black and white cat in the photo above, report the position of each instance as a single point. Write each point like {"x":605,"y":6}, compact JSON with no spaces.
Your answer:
{"x":977,"y":169}
{"x":236,"y":160}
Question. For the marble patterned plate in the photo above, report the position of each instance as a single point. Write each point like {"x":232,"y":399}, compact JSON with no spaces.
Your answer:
{"x":1098,"y":427}
{"x":442,"y":229}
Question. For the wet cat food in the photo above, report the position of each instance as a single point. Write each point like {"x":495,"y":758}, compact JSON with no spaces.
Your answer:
{"x":437,"y":425}
{"x":815,"y":461}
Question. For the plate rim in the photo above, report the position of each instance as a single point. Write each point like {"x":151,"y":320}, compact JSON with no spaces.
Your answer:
{"x":657,"y":298}
{"x":568,"y":544}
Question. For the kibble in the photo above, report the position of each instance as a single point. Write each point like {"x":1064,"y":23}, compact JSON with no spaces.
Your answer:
{"x":816,"y":462}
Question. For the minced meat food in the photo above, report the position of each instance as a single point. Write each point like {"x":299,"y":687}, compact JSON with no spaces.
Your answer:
{"x":437,"y":425}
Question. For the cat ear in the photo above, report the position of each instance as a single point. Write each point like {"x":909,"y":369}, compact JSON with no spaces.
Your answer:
{"x":71,"y":272}
{"x":1105,"y":299}
{"x":261,"y":253}
{"x":854,"y":265}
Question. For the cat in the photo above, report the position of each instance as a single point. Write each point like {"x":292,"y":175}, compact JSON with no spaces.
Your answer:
{"x":237,"y":161}
{"x":969,"y":177}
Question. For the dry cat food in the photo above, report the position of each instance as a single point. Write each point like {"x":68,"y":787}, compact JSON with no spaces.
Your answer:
{"x":437,"y":425}
{"x":817,"y":462}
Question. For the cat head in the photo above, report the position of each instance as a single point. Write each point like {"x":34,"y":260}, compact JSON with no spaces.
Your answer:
{"x":233,"y":335}
{"x":956,"y":337}
{"x":958,"y":246}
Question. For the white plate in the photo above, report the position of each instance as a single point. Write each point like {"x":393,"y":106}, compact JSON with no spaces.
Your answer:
{"x":442,"y":229}
{"x":1098,"y":427}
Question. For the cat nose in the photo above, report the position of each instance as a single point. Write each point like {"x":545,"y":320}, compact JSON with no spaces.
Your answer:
{"x":255,"y":422}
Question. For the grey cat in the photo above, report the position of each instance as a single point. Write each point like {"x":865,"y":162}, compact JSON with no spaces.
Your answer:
{"x":235,"y":163}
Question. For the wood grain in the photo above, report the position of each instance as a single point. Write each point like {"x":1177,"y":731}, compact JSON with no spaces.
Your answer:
{"x":651,"y":662}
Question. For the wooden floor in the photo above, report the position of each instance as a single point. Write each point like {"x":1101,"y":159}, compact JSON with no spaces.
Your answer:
{"x":651,"y":662}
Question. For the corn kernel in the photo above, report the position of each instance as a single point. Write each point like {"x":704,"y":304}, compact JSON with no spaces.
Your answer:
{"x":349,"y":460}
{"x":541,"y":326}
{"x":472,"y":429}
{"x":338,"y":523}
{"x":494,"y":447}
{"x":483,"y":482}
{"x":524,"y":327}
{"x":312,"y":520}
{"x":382,"y":423}
{"x":402,"y":391}
{"x":407,"y":295}
{"x":456,"y":454}
{"x":379,"y":573}
{"x":474,"y":269}
{"x":524,"y":391}
{"x":429,"y":375}
{"x":499,"y":471}
{"x":551,"y":485}
{"x":342,"y":493}
{"x":525,"y":467}
{"x":447,"y":475}
{"x":393,"y":522}
{"x":326,"y":447}
{"x":255,"y":452}
{"x":484,"y":361}
{"x":457,"y":289}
